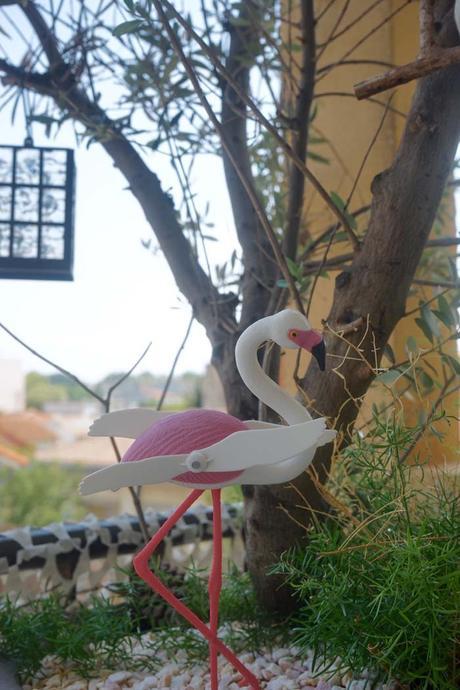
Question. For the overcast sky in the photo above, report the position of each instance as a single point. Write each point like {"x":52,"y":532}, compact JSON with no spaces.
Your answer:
{"x":122,"y":296}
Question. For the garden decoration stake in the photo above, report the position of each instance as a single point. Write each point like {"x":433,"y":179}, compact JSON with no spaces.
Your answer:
{"x":205,"y":449}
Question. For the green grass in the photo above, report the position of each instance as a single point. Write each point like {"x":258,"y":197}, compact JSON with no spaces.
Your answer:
{"x":379,"y":583}
{"x":103,"y":633}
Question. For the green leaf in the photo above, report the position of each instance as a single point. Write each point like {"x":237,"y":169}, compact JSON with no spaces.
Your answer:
{"x":453,"y":363}
{"x":444,"y":312}
{"x":426,"y":380}
{"x":411,"y":344}
{"x":429,"y":319}
{"x":342,"y":206}
{"x":282,"y":283}
{"x":128,"y":27}
{"x":388,"y":351}
{"x":425,"y":329}
{"x":294,"y":269}
{"x":337,"y":200}
{"x":316,"y":157}
{"x":388,"y":377}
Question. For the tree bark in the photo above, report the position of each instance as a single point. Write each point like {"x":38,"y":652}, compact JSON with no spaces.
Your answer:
{"x":375,"y":287}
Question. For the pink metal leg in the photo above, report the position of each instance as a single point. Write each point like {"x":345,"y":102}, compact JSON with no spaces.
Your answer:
{"x":141,"y":566}
{"x":215,"y":583}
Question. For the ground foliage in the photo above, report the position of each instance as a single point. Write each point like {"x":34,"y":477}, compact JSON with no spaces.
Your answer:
{"x":379,"y":583}
{"x":106,"y":633}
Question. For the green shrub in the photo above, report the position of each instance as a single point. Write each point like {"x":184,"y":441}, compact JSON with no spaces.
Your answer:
{"x":103,"y":633}
{"x":379,"y":583}
{"x":39,"y":494}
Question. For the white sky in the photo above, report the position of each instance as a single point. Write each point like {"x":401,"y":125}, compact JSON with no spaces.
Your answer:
{"x":122,"y":296}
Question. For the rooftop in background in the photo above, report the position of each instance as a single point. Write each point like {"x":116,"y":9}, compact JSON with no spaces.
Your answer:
{"x":24,"y":429}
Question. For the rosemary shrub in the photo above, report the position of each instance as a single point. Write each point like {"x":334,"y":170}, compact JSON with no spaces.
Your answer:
{"x":378,"y":584}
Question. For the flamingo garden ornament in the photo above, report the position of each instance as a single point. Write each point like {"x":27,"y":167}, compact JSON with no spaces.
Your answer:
{"x":205,"y":449}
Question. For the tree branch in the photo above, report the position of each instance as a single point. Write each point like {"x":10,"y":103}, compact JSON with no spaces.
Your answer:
{"x":258,"y":257}
{"x":157,"y":205}
{"x":421,"y":67}
{"x":341,"y":217}
{"x":432,"y":57}
{"x":246,"y":183}
{"x":296,"y":182}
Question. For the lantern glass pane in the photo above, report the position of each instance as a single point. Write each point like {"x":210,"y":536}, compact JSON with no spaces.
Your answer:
{"x":53,"y":205}
{"x":4,"y":240}
{"x":54,"y":168}
{"x":5,"y":203}
{"x":25,"y":241}
{"x":27,"y":166}
{"x":52,"y":245}
{"x":6,"y":165}
{"x":26,"y":204}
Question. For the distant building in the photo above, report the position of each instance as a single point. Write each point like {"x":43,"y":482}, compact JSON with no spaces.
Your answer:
{"x":12,"y":386}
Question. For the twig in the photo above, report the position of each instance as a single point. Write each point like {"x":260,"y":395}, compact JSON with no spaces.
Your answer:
{"x":53,"y":364}
{"x":425,"y":304}
{"x":437,"y":283}
{"x":352,"y":327}
{"x":371,"y":33}
{"x":369,"y":150}
{"x":431,"y":59}
{"x":174,"y":364}
{"x":421,"y":67}
{"x":125,"y":376}
{"x":104,"y":401}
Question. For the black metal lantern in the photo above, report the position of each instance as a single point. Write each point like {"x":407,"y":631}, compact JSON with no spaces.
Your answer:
{"x":37,"y":190}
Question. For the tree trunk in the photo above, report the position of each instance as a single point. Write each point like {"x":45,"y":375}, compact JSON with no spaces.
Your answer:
{"x":375,"y":287}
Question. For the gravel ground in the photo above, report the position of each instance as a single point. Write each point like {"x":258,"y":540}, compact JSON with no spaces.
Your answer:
{"x":278,"y":669}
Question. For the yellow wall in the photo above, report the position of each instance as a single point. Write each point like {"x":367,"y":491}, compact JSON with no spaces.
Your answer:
{"x":349,"y":126}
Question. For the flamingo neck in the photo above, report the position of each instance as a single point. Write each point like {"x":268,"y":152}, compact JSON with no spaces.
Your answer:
{"x":269,"y":392}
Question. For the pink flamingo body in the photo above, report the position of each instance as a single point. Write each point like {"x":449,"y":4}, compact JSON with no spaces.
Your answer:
{"x":185,"y":432}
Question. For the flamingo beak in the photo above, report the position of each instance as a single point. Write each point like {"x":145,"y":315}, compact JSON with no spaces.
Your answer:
{"x":319,"y":353}
{"x":313,"y":342}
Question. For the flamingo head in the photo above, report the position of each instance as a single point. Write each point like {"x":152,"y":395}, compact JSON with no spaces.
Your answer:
{"x":290,"y":329}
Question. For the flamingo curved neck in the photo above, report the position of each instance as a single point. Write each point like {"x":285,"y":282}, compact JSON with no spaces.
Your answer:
{"x":269,"y":392}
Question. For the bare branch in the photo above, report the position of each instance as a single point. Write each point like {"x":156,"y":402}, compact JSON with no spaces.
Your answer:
{"x":259,"y":263}
{"x":436,"y":283}
{"x":296,"y":182}
{"x":45,"y":36}
{"x":174,"y":364}
{"x":421,"y":67}
{"x":125,"y":376}
{"x":66,"y":372}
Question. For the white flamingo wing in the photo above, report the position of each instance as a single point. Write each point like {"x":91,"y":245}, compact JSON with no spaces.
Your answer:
{"x":134,"y":473}
{"x":266,"y":446}
{"x":256,"y":424}
{"x":129,"y":423}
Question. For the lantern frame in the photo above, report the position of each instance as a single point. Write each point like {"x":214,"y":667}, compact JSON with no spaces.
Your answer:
{"x":49,"y":240}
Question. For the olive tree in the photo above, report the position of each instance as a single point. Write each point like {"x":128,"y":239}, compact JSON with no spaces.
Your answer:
{"x":237,"y":80}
